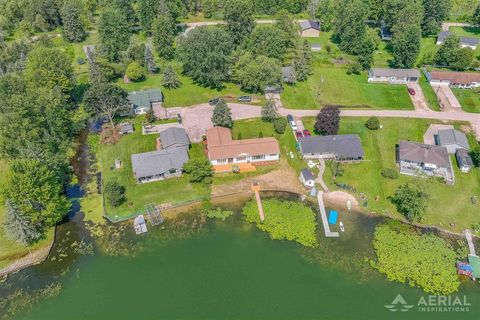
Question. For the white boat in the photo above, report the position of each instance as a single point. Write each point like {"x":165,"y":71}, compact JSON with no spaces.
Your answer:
{"x":341,"y":226}
{"x":349,"y":205}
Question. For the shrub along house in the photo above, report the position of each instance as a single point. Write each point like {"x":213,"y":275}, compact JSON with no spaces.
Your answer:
{"x":464,"y":80}
{"x":346,"y":148}
{"x":393,"y":76}
{"x":418,"y":159}
{"x":143,"y":101}
{"x":465,"y":42}
{"x":224,"y":152}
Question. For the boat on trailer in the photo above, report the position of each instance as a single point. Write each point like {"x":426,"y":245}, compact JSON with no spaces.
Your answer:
{"x":341,"y":226}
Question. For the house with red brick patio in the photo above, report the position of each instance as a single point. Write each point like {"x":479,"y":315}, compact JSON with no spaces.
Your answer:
{"x":224,"y":152}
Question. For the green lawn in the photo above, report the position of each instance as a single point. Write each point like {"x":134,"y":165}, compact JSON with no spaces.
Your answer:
{"x":469,"y":99}
{"x":447,"y":204}
{"x":174,"y":191}
{"x":471,"y":32}
{"x":429,"y":93}
{"x":11,"y":250}
{"x":331,"y":85}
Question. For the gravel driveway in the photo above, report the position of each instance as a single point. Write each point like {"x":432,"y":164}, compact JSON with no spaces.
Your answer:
{"x":448,"y":101}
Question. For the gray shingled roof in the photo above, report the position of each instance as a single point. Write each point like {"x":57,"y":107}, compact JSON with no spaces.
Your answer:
{"x":423,"y":153}
{"x":307,"y":174}
{"x":464,"y":158}
{"x":345,"y":146}
{"x":309,"y":24}
{"x":145,"y":98}
{"x":157,"y":162}
{"x":399,"y":73}
{"x":452,"y":136}
{"x":463,"y":40}
{"x":126,"y":127}
{"x":172,"y":136}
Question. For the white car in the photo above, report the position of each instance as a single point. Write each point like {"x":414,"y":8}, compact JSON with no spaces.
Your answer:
{"x":293,"y":125}
{"x":291,"y":155}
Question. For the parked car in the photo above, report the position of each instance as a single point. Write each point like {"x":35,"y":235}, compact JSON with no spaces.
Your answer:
{"x":411,"y":91}
{"x":290,"y":118}
{"x":245,"y":99}
{"x":214,"y":101}
{"x":299,"y":134}
{"x":293,"y":125}
{"x":307,"y":133}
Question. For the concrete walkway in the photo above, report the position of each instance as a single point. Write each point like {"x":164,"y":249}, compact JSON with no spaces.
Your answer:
{"x":319,"y":180}
{"x":448,"y":100}
{"x":471,"y":246}
{"x":323,"y":216}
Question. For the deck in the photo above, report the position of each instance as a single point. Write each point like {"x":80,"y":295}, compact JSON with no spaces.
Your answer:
{"x":323,"y":215}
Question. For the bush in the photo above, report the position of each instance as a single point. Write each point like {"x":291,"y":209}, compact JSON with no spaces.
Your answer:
{"x":207,"y":180}
{"x":135,"y":71}
{"x":373,"y":123}
{"x":218,"y":213}
{"x":235,"y":169}
{"x":354,"y":67}
{"x":199,"y":170}
{"x":280,"y":124}
{"x":390,"y":173}
{"x":115,"y":193}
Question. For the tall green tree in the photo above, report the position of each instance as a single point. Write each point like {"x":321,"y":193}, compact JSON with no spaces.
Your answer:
{"x":302,"y":64}
{"x":114,"y":33}
{"x":205,"y":55}
{"x":163,"y":34}
{"x":147,"y":11}
{"x":126,"y":8}
{"x":36,"y":192}
{"x":149,"y":60}
{"x":326,"y":14}
{"x":436,"y":11}
{"x":446,"y":54}
{"x":238,"y":14}
{"x":475,"y":19}
{"x":284,"y":22}
{"x":349,"y":29}
{"x":268,"y":41}
{"x":73,"y":28}
{"x":463,"y":59}
{"x":254,"y":74}
{"x":411,"y":201}
{"x":406,"y":42}
{"x":106,"y":99}
{"x":19,"y":226}
{"x":49,"y":68}
{"x":222,"y":115}
{"x":170,"y":78}
{"x":269,"y":111}
{"x":198,"y":169}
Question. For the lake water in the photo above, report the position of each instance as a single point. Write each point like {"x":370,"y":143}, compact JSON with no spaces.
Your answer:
{"x":221,"y":270}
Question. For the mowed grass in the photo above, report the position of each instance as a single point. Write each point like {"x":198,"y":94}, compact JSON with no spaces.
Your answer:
{"x":173,"y":191}
{"x":472,"y":32}
{"x":468,"y":98}
{"x":10,"y":250}
{"x":429,"y":93}
{"x":331,"y":85}
{"x":447,"y":204}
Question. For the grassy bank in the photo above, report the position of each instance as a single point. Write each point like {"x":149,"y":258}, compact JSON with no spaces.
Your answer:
{"x":469,"y":99}
{"x":449,"y":206}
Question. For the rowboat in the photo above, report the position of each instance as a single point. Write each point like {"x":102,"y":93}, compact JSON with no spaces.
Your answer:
{"x":341,"y":226}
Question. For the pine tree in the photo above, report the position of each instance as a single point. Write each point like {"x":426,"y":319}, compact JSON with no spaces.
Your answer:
{"x":163,"y":33}
{"x":302,"y":64}
{"x":19,"y":227}
{"x":170,"y":79}
{"x":269,"y":111}
{"x":149,"y":60}
{"x":222,"y":115}
{"x":73,"y":29}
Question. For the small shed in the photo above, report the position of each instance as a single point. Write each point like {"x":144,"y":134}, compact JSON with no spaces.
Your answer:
{"x":139,"y":224}
{"x":307,"y":178}
{"x":453,"y":140}
{"x":309,"y":29}
{"x":464,"y":161}
{"x":316,"y":47}
{"x":118,"y":164}
{"x":126,"y":128}
{"x":272,"y":90}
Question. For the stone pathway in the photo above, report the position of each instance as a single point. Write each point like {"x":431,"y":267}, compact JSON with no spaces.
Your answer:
{"x":319,"y":180}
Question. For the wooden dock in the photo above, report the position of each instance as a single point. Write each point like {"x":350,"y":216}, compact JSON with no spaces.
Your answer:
{"x":256,"y":189}
{"x":471,"y":246}
{"x":323,"y":216}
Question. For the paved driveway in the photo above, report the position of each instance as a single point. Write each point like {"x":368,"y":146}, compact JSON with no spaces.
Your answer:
{"x":448,"y":101}
{"x":418,"y":99}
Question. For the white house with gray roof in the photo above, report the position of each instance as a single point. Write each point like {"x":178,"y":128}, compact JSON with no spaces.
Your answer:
{"x":393,"y":76}
{"x":309,"y":29}
{"x":453,"y":140}
{"x":159,"y":165}
{"x":346,"y":147}
{"x":465,"y":42}
{"x":418,"y":159}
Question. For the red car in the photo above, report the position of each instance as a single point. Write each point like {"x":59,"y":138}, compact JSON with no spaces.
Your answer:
{"x":299,"y":134}
{"x":411,"y":91}
{"x":306,"y":133}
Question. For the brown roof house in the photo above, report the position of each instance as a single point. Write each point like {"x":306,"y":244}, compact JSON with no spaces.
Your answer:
{"x":224,"y":152}
{"x":464,"y":80}
{"x":418,"y":159}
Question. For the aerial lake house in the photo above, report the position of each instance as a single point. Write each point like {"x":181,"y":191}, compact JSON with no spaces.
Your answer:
{"x":393,"y":76}
{"x":465,"y":80}
{"x":465,"y":42}
{"x":224,"y":152}
{"x":346,"y":147}
{"x":418,"y":159}
{"x":143,"y":101}
{"x":310,"y":29}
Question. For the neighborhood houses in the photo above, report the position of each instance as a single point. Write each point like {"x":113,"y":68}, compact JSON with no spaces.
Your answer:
{"x":464,"y":80}
{"x":345,"y":148}
{"x":143,"y":101}
{"x":465,"y":42}
{"x":224,"y":152}
{"x":393,"y":76}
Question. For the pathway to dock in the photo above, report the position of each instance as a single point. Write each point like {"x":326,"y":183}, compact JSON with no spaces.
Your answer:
{"x":323,"y":215}
{"x":256,"y":189}
{"x":321,"y":171}
{"x":471,"y":246}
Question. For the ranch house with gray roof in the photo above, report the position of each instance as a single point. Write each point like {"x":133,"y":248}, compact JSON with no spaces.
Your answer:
{"x":346,"y":147}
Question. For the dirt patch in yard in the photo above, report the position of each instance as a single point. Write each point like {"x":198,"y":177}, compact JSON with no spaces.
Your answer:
{"x":283,"y":178}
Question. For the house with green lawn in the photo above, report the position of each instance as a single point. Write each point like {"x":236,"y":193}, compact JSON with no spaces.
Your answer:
{"x":143,"y":101}
{"x":393,"y":76}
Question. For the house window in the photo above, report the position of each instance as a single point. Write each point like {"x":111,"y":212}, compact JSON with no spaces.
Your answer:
{"x":220,"y":161}
{"x":261,"y":157}
{"x":241,"y":158}
{"x":273,"y":155}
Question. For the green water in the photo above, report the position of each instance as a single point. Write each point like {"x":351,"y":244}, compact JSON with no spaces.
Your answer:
{"x":229,"y":270}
